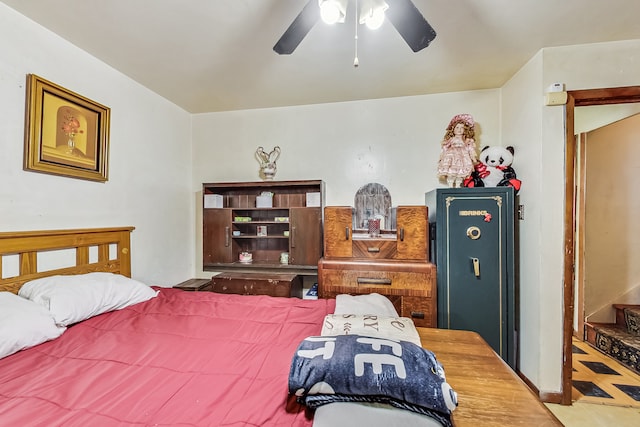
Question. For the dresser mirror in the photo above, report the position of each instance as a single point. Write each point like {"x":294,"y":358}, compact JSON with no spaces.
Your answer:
{"x":373,"y":201}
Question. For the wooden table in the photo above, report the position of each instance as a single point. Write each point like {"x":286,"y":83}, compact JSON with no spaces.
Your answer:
{"x":490,"y":393}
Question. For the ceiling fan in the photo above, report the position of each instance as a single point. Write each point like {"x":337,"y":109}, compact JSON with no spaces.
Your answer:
{"x":403,"y":14}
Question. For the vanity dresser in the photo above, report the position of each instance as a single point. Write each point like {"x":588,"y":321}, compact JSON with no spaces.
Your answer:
{"x":392,"y":261}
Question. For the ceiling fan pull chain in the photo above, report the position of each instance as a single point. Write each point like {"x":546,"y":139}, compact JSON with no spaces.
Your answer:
{"x":355,"y":59}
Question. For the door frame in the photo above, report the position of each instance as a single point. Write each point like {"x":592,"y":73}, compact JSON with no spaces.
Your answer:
{"x":579,"y":244}
{"x":578,"y":98}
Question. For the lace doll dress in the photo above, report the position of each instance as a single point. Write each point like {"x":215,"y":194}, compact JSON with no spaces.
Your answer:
{"x":456,"y":157}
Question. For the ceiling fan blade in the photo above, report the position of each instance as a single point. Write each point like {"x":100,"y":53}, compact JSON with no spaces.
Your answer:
{"x":298,"y":29}
{"x":410,"y":23}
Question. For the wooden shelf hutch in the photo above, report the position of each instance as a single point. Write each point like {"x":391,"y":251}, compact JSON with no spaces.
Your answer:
{"x":288,"y":220}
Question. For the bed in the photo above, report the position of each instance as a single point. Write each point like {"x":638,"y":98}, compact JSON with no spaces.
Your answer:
{"x":199,"y":358}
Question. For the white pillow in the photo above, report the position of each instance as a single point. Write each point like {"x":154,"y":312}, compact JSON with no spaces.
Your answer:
{"x":365,"y":304}
{"x":75,"y":298}
{"x":398,"y":328}
{"x":24,"y":324}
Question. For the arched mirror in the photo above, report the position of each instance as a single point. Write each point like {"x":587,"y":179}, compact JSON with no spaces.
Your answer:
{"x":373,"y":201}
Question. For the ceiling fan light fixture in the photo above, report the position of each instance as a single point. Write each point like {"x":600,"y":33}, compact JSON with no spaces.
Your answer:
{"x":372,"y":13}
{"x":333,"y":11}
{"x":402,"y":14}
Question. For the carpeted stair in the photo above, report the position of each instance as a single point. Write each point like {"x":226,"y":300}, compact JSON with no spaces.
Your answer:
{"x":620,"y":340}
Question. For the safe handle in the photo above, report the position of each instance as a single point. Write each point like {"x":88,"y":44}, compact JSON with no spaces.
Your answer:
{"x":476,"y":266}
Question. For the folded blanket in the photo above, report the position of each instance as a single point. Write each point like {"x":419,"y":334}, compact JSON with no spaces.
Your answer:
{"x":353,"y":368}
{"x":399,"y":328}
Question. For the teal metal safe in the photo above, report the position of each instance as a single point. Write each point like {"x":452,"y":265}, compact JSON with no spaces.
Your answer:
{"x":473,"y":247}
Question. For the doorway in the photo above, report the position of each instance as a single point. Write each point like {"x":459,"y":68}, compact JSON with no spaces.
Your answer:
{"x":606,"y":210}
{"x":575,"y":99}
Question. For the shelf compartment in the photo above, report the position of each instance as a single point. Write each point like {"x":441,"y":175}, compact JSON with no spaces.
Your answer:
{"x":290,"y":225}
{"x":249,"y":236}
{"x":286,"y":194}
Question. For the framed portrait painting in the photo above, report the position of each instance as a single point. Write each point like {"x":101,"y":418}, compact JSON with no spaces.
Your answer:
{"x":65,"y":133}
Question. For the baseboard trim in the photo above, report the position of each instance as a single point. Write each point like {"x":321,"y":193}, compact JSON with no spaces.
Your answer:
{"x":551,"y":397}
{"x":546,"y":397}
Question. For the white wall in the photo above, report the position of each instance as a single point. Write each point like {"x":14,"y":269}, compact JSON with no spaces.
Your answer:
{"x":596,"y":116}
{"x":149,"y":163}
{"x":521,"y":117}
{"x":541,"y":130}
{"x":395,"y":142}
{"x":611,"y":270}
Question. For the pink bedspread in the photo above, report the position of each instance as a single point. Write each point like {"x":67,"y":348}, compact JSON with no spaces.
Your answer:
{"x":181,"y":359}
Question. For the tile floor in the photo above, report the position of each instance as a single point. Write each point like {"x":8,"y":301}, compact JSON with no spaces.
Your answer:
{"x":605,"y":393}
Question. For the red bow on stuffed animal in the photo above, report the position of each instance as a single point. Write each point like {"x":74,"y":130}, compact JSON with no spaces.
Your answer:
{"x":481,"y":168}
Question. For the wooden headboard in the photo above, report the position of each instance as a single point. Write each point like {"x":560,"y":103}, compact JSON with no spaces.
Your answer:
{"x":28,"y":244}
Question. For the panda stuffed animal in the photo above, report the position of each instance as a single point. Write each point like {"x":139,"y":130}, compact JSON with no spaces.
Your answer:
{"x":494,"y":169}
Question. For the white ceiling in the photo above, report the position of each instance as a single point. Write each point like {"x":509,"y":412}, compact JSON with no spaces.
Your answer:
{"x":216,"y":55}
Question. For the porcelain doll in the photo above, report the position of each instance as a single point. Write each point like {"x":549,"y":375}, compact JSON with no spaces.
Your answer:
{"x":458,"y":153}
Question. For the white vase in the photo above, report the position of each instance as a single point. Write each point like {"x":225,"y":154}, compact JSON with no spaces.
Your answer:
{"x":269,"y":171}
{"x":268,"y":162}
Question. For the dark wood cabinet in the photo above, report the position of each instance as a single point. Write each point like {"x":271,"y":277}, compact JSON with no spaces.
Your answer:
{"x":393,"y":263}
{"x":305,"y":236}
{"x":266,"y":219}
{"x":216,"y":236}
{"x":275,"y":285}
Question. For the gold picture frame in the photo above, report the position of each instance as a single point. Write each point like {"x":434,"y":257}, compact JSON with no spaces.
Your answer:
{"x":65,"y":133}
